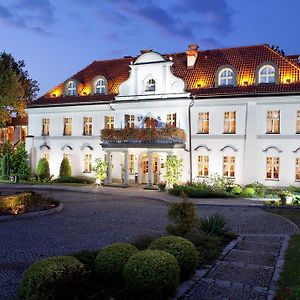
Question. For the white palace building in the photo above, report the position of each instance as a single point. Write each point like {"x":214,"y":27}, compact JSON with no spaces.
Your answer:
{"x":234,"y":112}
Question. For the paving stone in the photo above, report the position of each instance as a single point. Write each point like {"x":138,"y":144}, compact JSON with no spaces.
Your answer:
{"x":259,"y":247}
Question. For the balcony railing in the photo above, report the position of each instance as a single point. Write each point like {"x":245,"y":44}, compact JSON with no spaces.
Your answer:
{"x":167,"y":135}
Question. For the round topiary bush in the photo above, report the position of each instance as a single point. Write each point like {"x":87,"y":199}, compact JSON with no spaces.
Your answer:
{"x":56,"y":277}
{"x":236,"y":190}
{"x":43,"y":170}
{"x":111,"y":260}
{"x":248,"y":192}
{"x":152,"y":273}
{"x":183,"y":250}
{"x":65,"y":168}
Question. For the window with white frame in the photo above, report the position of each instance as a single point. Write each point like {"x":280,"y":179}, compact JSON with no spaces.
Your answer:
{"x":203,"y":165}
{"x":67,"y":126}
{"x":266,"y":74}
{"x":226,"y":77}
{"x":203,"y":122}
{"x":297,"y":169}
{"x":131,"y":163}
{"x":129,"y":121}
{"x":171,"y":120}
{"x":272,"y":171}
{"x":150,"y":86}
{"x":298,"y":122}
{"x":109,"y":122}
{"x":273,"y":121}
{"x":100,"y":86}
{"x":87,"y":163}
{"x":45,"y":126}
{"x":87,"y":125}
{"x":230,"y":122}
{"x":71,"y":88}
{"x":67,"y":156}
{"x":229,"y":166}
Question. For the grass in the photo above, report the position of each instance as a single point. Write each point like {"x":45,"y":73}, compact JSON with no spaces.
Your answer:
{"x":291,"y":214}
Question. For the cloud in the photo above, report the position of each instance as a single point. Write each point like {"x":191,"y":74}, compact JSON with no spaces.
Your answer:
{"x":34,"y":15}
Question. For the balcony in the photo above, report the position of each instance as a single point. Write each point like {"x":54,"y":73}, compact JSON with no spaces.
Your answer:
{"x":167,"y":137}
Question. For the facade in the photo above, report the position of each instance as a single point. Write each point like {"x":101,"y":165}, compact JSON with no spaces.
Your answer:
{"x":234,"y":112}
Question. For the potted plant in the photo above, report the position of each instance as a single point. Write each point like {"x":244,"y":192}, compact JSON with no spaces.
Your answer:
{"x":161,"y":186}
{"x":286,"y":197}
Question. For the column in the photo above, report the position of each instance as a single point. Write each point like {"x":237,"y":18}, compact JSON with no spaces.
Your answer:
{"x":150,"y":169}
{"x":126,"y":175}
{"x":108,"y":160}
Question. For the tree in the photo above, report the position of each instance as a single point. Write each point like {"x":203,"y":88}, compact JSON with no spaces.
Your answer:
{"x":65,"y":168}
{"x":100,"y":170}
{"x":173,"y":170}
{"x":16,"y":88}
{"x":20,"y":163}
{"x":43,"y":170}
{"x":5,"y":160}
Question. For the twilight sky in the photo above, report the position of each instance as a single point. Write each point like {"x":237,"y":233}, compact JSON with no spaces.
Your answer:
{"x":57,"y":38}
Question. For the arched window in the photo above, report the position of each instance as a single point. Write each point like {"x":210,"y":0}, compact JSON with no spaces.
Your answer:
{"x":150,"y":86}
{"x":226,"y":77}
{"x":100,"y":86}
{"x":71,"y":88}
{"x":266,"y":74}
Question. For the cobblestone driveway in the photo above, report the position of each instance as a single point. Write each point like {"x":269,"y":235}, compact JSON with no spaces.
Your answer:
{"x":91,"y":221}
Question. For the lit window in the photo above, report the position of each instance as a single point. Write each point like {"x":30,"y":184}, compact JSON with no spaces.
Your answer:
{"x":87,"y":125}
{"x":272,"y":168}
{"x":266,"y":74}
{"x":100,"y":86}
{"x":46,"y":155}
{"x":150,"y":86}
{"x":298,"y":168}
{"x":203,"y":165}
{"x":87,"y":163}
{"x":109,"y":122}
{"x":273,"y":121}
{"x":298,"y":122}
{"x":45,"y":126}
{"x":67,"y":126}
{"x":226,"y":77}
{"x":67,"y":156}
{"x":129,"y":121}
{"x":171,"y":120}
{"x":230,"y":122}
{"x":71,"y":90}
{"x":131,"y":163}
{"x":229,"y":166}
{"x":203,"y":122}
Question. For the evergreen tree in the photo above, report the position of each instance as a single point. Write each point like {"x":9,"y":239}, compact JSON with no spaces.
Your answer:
{"x":65,"y":168}
{"x":5,"y":160}
{"x":20,"y":163}
{"x":43,"y":170}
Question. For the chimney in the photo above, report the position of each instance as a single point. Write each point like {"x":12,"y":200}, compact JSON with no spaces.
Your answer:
{"x":191,"y":55}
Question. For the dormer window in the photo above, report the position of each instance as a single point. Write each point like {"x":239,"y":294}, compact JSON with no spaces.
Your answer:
{"x":266,"y":74}
{"x":226,"y":77}
{"x":150,"y":86}
{"x":100,"y":86}
{"x":71,"y":88}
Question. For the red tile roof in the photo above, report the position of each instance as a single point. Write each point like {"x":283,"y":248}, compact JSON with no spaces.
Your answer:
{"x":200,"y":80}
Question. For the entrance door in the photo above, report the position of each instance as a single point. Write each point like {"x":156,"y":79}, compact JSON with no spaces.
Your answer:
{"x":144,"y":167}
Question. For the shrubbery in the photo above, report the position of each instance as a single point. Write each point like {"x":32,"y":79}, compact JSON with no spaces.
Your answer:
{"x":152,"y":273}
{"x":111,"y":260}
{"x":52,"y":278}
{"x":65,"y":168}
{"x":248,"y":192}
{"x":183,"y":250}
{"x":236,"y":190}
{"x":213,"y":225}
{"x":43,"y":170}
{"x":73,"y":179}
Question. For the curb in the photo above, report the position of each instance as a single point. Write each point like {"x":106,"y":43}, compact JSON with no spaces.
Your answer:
{"x":47,"y":212}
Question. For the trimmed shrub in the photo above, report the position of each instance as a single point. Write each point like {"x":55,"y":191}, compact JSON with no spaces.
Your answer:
{"x":183,"y":217}
{"x":65,"y":168}
{"x":72,"y":179}
{"x":56,"y":277}
{"x":43,"y":170}
{"x":87,"y":258}
{"x":248,"y":192}
{"x":142,"y":242}
{"x":213,"y":225}
{"x":111,"y":260}
{"x":260,"y":189}
{"x":236,"y":190}
{"x":152,"y":273}
{"x":183,"y":250}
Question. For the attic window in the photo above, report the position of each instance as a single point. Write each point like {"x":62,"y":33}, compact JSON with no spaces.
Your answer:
{"x":150,"y":86}
{"x":266,"y":74}
{"x":100,"y":86}
{"x":226,"y":77}
{"x":71,"y":88}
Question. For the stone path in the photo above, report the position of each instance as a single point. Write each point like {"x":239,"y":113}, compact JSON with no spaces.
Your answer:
{"x":249,"y":270}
